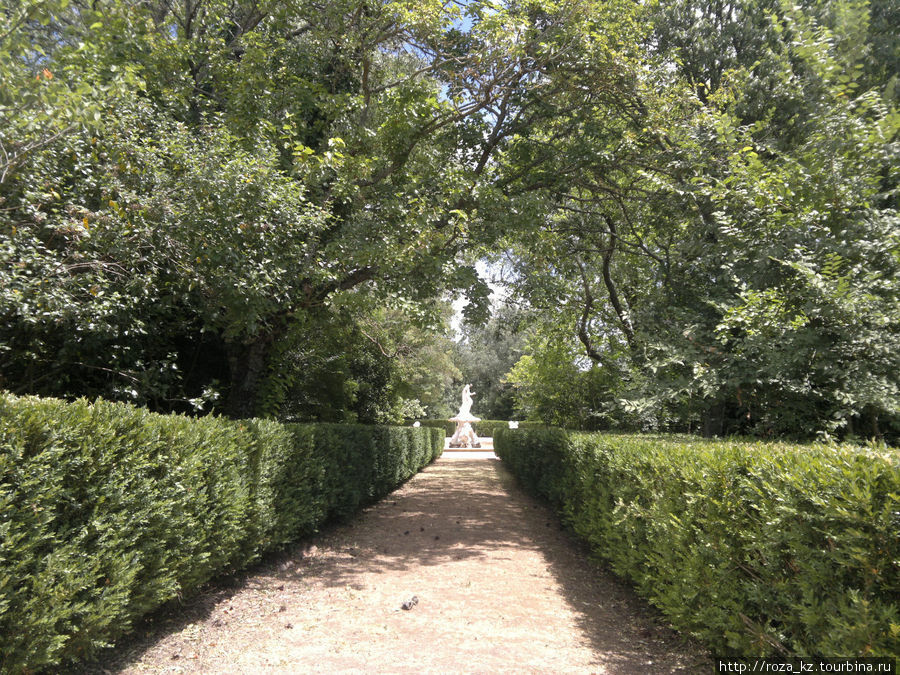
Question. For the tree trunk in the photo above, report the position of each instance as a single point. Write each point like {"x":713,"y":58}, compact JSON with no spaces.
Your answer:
{"x":873,"y":425}
{"x":247,"y":363}
{"x":624,"y":319}
{"x":714,"y":420}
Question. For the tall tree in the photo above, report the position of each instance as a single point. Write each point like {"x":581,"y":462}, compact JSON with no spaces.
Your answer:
{"x":727,"y":233}
{"x":257,"y":159}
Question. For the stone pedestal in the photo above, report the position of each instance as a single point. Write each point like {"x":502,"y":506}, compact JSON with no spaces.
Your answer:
{"x":464,"y":436}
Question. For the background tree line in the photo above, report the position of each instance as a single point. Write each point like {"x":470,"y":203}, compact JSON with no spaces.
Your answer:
{"x":258,"y":208}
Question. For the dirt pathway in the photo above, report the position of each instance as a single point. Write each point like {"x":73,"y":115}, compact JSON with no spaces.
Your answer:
{"x":500,"y":588}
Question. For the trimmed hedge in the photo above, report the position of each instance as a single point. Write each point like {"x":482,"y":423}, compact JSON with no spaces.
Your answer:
{"x":107,"y":511}
{"x":755,"y":548}
{"x":483,"y":428}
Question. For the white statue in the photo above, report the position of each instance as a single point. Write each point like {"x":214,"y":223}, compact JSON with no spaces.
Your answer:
{"x":466,"y":407}
{"x":464,"y":436}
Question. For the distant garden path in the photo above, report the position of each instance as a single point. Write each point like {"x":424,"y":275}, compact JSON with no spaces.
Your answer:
{"x":500,"y":588}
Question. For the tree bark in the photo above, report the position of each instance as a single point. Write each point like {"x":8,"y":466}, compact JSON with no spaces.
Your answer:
{"x":624,"y":320}
{"x":247,"y":363}
{"x":583,"y":334}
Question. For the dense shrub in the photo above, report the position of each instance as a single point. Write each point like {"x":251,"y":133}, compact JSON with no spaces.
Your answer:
{"x":755,"y":548}
{"x":107,"y":511}
{"x":483,"y":428}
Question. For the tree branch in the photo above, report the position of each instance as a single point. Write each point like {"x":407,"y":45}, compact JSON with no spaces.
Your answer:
{"x":627,"y":328}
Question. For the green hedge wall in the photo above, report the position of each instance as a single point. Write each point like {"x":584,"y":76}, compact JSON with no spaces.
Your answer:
{"x":756,"y":548}
{"x":483,"y":428}
{"x":107,"y":511}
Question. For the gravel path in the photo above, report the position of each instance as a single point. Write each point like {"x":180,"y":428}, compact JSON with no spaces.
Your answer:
{"x":500,"y":588}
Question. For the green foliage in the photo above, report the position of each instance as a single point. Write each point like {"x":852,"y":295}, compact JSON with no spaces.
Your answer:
{"x":108,"y":511}
{"x":537,"y":458}
{"x":723,"y":240}
{"x":755,"y":548}
{"x":704,"y":195}
{"x":370,"y":364}
{"x":554,"y":383}
{"x":340,"y":376}
{"x":192,"y":180}
{"x":486,"y":352}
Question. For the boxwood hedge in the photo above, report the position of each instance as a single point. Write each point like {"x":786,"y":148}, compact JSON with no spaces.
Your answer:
{"x":756,"y":548}
{"x":107,"y":511}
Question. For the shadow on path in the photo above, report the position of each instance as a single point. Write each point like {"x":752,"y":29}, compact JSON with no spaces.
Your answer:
{"x":460,"y":517}
{"x":474,"y":509}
